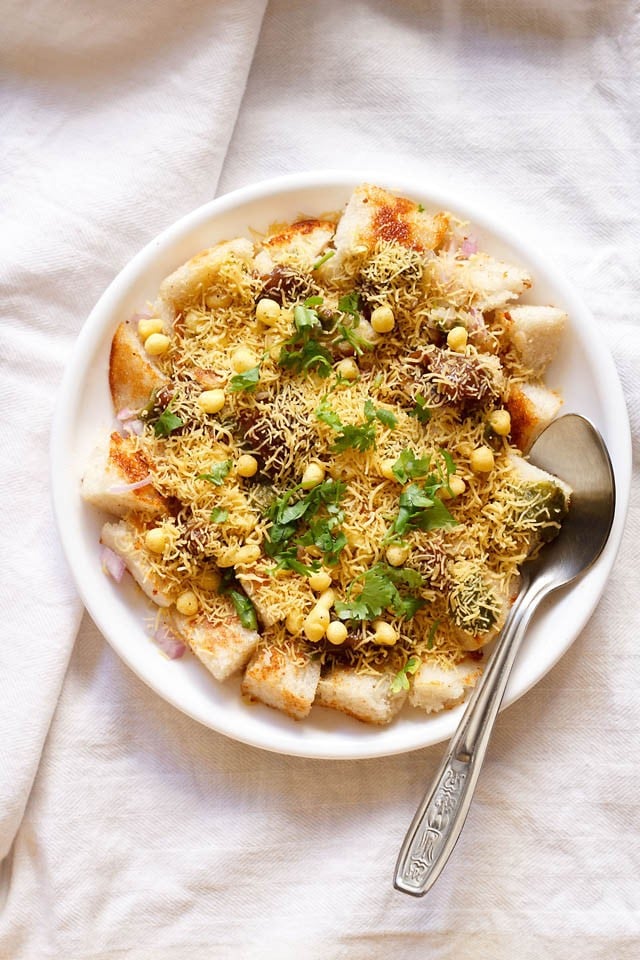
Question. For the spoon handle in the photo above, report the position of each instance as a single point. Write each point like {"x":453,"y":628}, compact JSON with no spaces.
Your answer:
{"x":440,"y":817}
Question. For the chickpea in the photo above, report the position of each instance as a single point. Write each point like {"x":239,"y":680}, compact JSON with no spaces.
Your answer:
{"x":268,"y":311}
{"x":247,"y":466}
{"x":243,"y":359}
{"x":149,"y":325}
{"x":336,"y":632}
{"x":156,"y":344}
{"x":211,"y":401}
{"x":320,"y":581}
{"x":384,"y":634}
{"x":312,"y":476}
{"x":482,"y":460}
{"x":457,"y":339}
{"x":386,"y":469}
{"x":397,"y":554}
{"x":187,"y":603}
{"x":383,"y":320}
{"x":348,"y":369}
{"x":500,"y":422}
{"x":247,"y":554}
{"x":156,"y":540}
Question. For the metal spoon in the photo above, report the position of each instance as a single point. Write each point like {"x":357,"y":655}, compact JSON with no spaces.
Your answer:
{"x":572,"y":449}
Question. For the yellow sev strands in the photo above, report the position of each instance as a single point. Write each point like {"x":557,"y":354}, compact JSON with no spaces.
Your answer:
{"x":280,"y":416}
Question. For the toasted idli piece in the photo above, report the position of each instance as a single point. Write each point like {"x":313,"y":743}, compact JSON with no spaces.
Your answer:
{"x":373,"y":214}
{"x":535,"y":333}
{"x":479,"y":603}
{"x":133,"y":376}
{"x":531,"y":475}
{"x":126,"y":541}
{"x":282,"y":682}
{"x":491,"y":283}
{"x":299,"y":245}
{"x":363,"y":697}
{"x":188,"y":284}
{"x":435,"y":688}
{"x":113,"y":467}
{"x":224,"y":647}
{"x":540,"y":501}
{"x":532,"y":406}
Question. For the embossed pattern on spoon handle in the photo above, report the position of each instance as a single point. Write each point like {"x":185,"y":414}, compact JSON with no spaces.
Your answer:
{"x":441,"y":815}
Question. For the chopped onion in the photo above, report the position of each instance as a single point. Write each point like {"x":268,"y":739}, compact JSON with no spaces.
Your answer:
{"x":126,"y":414}
{"x":133,"y":427}
{"x":469,"y":246}
{"x":112,"y":564}
{"x":126,"y":487}
{"x":168,"y":642}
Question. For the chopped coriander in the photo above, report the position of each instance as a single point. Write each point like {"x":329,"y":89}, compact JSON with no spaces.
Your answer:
{"x":347,"y":330}
{"x":217,"y":474}
{"x":323,"y":259}
{"x":218,"y":515}
{"x":245,"y":381}
{"x":244,"y":609}
{"x":243,"y":605}
{"x":328,"y":415}
{"x":432,"y":634}
{"x":285,"y":535}
{"x":387,"y":417}
{"x":350,"y":304}
{"x":166,"y":423}
{"x":380,"y":591}
{"x":420,"y":208}
{"x":420,"y":410}
{"x":304,"y":316}
{"x":357,"y":436}
{"x":302,"y":351}
{"x":419,"y":507}
{"x":409,"y":466}
{"x":401,"y":681}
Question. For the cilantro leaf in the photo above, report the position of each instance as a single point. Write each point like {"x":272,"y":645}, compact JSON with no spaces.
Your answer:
{"x":283,"y":536}
{"x":401,"y":681}
{"x":166,"y":423}
{"x":409,"y":466}
{"x":217,"y":474}
{"x":420,"y":410}
{"x":245,"y":381}
{"x":218,"y":515}
{"x":244,"y":609}
{"x":350,"y":304}
{"x":420,"y":208}
{"x":327,"y":414}
{"x":361,"y":438}
{"x":305,"y":317}
{"x":387,"y":417}
{"x":350,"y":435}
{"x":380,"y":592}
{"x":241,"y":602}
{"x":419,"y":507}
{"x":432,"y":634}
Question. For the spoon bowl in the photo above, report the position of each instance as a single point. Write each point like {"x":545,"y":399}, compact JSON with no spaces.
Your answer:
{"x":571,"y":449}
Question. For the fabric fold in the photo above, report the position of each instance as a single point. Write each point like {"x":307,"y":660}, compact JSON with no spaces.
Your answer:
{"x":112,"y":127}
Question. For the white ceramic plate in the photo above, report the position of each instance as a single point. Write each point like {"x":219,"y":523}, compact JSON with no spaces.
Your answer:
{"x":583,"y":371}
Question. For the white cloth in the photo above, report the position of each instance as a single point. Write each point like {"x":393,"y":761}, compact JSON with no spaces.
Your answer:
{"x":128,"y":830}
